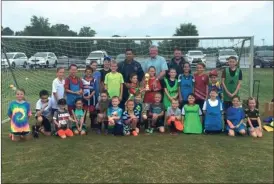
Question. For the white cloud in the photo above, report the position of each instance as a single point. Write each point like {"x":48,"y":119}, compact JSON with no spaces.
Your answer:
{"x":140,"y":18}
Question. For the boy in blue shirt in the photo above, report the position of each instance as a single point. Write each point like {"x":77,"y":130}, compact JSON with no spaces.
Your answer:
{"x":114,"y":113}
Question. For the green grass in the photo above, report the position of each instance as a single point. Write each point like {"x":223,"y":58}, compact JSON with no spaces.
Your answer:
{"x":142,"y":159}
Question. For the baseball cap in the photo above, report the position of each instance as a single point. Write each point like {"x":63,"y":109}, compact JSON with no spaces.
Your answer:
{"x":213,"y":73}
{"x":107,"y":58}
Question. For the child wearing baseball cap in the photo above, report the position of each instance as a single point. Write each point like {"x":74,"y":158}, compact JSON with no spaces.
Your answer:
{"x":215,"y":84}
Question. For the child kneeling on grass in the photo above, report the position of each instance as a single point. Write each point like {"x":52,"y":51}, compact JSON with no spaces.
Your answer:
{"x":79,"y":126}
{"x":174,"y":118}
{"x":114,"y":113}
{"x":19,"y":113}
{"x":252,"y":115}
{"x":130,"y":119}
{"x":235,"y":118}
{"x":61,"y":120}
{"x":192,"y":116}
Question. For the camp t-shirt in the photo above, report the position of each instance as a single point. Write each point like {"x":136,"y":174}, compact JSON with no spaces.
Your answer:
{"x":113,"y":82}
{"x":156,"y":108}
{"x":62,"y":117}
{"x":171,"y":111}
{"x":253,"y":115}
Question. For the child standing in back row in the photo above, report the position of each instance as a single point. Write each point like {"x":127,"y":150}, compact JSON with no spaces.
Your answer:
{"x":231,"y":81}
{"x":214,"y":84}
{"x":186,"y":84}
{"x":58,"y":90}
{"x":89,"y":95}
{"x":200,"y":85}
{"x":170,"y":87}
{"x":114,"y":82}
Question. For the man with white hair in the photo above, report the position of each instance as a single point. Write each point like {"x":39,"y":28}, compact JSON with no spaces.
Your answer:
{"x":158,"y":62}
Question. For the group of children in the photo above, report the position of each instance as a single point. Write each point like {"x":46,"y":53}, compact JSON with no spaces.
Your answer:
{"x":189,"y":103}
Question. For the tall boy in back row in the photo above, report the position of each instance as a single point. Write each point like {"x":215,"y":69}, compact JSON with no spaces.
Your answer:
{"x":231,"y":82}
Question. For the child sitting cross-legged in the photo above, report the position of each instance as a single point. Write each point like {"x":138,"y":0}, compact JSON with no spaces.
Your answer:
{"x":114,"y":113}
{"x":156,"y":115}
{"x":130,"y":119}
{"x":62,"y":120}
{"x":174,"y":118}
{"x":79,"y":126}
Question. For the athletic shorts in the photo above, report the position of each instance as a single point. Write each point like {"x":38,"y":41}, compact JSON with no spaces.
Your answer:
{"x":20,"y":133}
{"x":45,"y":123}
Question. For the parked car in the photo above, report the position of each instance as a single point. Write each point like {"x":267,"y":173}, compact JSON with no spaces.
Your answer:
{"x":15,"y":58}
{"x":120,"y":58}
{"x":222,"y":56}
{"x":97,"y":56}
{"x":43,"y":59}
{"x":263,"y":59}
{"x":195,"y":56}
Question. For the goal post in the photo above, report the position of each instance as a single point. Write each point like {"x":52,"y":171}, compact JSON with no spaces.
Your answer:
{"x":16,"y":68}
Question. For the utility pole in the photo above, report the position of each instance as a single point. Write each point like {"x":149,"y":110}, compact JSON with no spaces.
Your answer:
{"x":263,"y":43}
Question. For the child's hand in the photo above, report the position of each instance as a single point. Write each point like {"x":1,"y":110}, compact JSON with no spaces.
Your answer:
{"x":252,"y":129}
{"x":172,"y":118}
{"x":154,"y":116}
{"x":144,"y":116}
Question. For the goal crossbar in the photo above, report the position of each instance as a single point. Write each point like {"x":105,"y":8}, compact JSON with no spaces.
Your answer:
{"x":128,"y":38}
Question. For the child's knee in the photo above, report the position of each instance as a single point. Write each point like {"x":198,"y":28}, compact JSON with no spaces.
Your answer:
{"x":253,"y":134}
{"x":76,"y":132}
{"x":137,"y":130}
{"x":39,"y":119}
{"x":242,"y":132}
{"x":63,"y":136}
{"x":83,"y":132}
{"x":162,"y":129}
{"x":231,"y":133}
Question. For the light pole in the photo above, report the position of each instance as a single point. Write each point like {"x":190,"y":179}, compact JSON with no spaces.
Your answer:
{"x":263,"y":43}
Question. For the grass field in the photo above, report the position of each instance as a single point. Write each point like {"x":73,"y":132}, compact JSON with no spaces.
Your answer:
{"x":143,"y":159}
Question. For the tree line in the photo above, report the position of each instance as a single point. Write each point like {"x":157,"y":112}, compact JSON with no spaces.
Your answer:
{"x":41,"y":26}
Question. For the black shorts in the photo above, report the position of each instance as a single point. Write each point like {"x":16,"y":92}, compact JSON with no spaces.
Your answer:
{"x":46,"y":124}
{"x":20,"y":133}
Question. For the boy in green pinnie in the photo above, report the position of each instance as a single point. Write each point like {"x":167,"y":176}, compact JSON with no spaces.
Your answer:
{"x":170,"y":86}
{"x":231,"y":81}
{"x":79,"y":126}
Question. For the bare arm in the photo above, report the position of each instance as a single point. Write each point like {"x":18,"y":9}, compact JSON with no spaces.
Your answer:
{"x":180,"y":94}
{"x":249,"y":122}
{"x":238,"y":88}
{"x":121,"y":91}
{"x":259,"y":122}
{"x":229,"y":123}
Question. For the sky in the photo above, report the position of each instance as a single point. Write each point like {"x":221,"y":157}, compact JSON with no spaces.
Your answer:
{"x":141,"y":18}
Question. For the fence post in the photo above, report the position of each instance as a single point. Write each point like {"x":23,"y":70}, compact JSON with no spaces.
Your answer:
{"x":251,"y":63}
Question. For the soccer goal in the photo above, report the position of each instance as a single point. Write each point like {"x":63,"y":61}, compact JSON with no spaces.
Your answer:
{"x":30,"y":62}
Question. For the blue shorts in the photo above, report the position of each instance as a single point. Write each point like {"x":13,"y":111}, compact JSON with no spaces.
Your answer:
{"x":237,"y":130}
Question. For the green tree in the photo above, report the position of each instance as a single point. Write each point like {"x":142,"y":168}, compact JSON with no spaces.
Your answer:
{"x":7,"y":31}
{"x":62,"y":30}
{"x":186,"y":29}
{"x":39,"y":26}
{"x":87,"y":31}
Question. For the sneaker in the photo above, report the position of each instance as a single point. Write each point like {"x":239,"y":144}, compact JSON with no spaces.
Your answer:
{"x":98,"y":132}
{"x":151,"y":130}
{"x":106,"y":132}
{"x":134,"y":133}
{"x":147,"y":131}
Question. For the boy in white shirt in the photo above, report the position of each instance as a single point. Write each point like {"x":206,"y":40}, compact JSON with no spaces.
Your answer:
{"x":43,"y":113}
{"x":58,"y":90}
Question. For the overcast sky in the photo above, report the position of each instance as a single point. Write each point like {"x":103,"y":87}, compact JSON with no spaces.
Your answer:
{"x":153,"y":18}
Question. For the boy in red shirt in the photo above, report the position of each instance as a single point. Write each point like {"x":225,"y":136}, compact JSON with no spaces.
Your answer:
{"x":200,"y":85}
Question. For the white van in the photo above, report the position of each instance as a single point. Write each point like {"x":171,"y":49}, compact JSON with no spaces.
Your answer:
{"x":97,"y":56}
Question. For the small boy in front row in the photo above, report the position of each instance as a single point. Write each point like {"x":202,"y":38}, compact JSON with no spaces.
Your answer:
{"x":156,"y":114}
{"x":114,"y":113}
{"x":62,"y":120}
{"x":174,"y":118}
{"x":43,"y":113}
